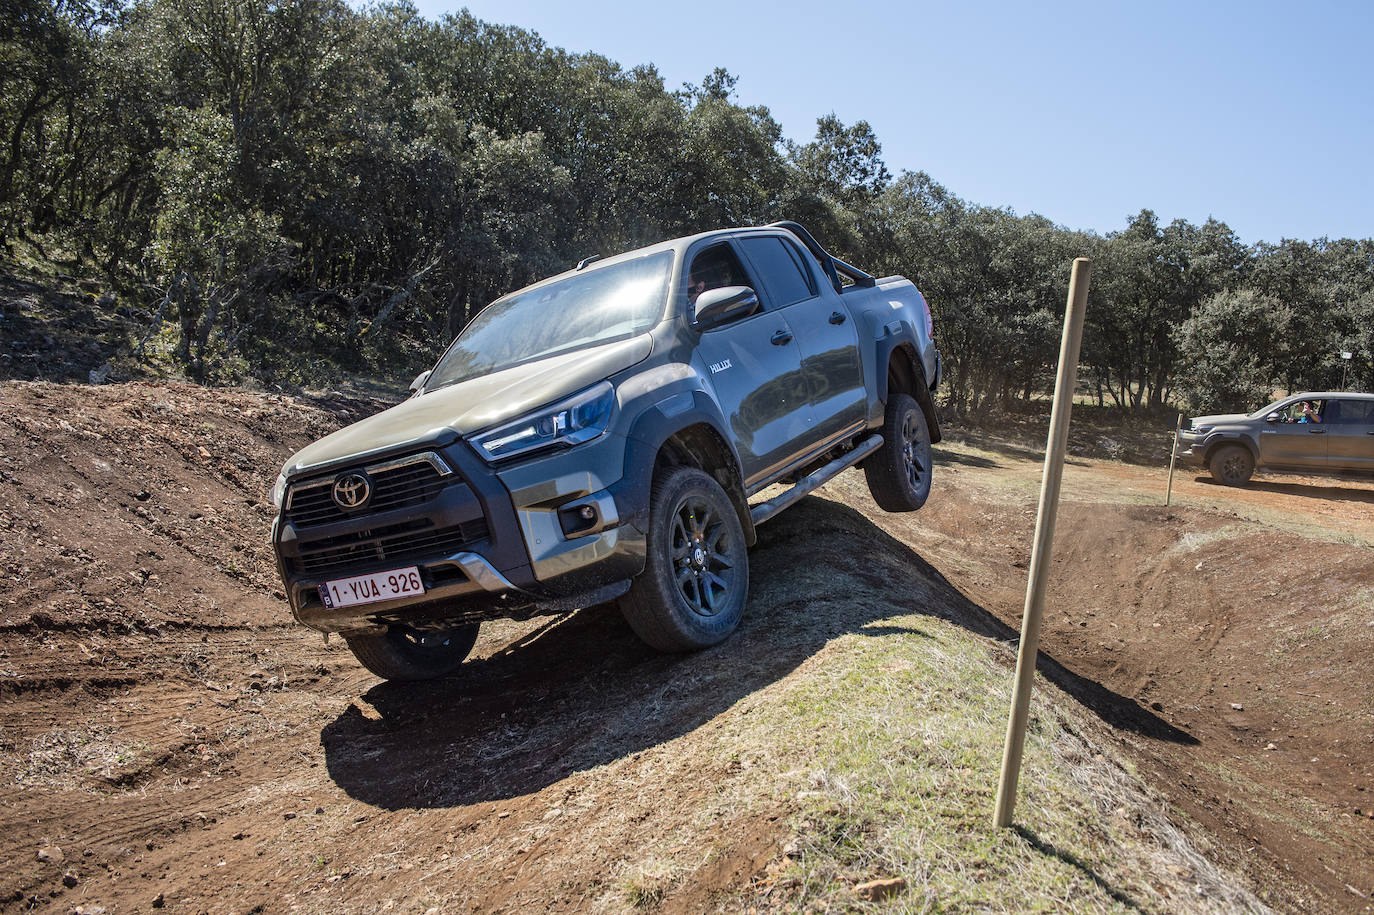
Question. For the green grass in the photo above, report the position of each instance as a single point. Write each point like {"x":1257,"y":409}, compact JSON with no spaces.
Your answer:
{"x":890,"y":752}
{"x":883,"y":750}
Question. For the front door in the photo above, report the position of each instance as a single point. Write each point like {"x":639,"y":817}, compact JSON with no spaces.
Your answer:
{"x":1294,"y":441}
{"x":754,"y":365}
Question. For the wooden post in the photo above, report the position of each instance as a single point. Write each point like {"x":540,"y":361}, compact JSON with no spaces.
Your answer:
{"x":1169,"y":493}
{"x":1044,"y":536}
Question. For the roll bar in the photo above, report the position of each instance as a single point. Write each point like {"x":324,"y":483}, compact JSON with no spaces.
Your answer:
{"x":831,"y":265}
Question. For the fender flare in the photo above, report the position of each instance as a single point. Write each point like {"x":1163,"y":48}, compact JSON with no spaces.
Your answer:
{"x":1212,"y":443}
{"x":883,"y":354}
{"x":646,"y":438}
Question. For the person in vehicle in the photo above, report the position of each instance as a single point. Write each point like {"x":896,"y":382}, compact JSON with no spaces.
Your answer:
{"x":1308,"y":414}
{"x":712,"y":269}
{"x":696,"y":285}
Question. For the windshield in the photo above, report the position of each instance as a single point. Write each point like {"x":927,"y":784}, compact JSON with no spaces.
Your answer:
{"x":1265,"y":411}
{"x":611,"y":303}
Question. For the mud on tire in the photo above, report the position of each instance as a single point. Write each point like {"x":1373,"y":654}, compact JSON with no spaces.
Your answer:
{"x":1231,"y":465}
{"x":898,"y":473}
{"x":692,"y":591}
{"x":402,"y":653}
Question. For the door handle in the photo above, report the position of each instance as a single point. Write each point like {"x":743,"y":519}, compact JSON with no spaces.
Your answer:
{"x":1317,"y":431}
{"x":781,"y":337}
{"x":836,"y":318}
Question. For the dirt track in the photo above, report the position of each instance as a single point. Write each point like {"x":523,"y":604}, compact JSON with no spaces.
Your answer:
{"x":168,"y":733}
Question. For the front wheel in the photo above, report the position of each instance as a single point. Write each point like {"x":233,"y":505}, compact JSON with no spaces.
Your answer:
{"x":692,"y":591}
{"x":1232,"y":465}
{"x":898,"y":473}
{"x":402,"y":653}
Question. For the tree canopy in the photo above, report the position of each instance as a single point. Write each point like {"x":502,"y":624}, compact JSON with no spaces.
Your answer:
{"x":301,"y":188}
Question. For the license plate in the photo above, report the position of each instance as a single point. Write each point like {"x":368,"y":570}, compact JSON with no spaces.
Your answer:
{"x":368,"y":589}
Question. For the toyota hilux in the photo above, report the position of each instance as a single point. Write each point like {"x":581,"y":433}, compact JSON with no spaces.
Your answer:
{"x":609,"y":434}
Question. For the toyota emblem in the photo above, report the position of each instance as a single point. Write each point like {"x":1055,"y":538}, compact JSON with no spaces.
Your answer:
{"x":352,"y":490}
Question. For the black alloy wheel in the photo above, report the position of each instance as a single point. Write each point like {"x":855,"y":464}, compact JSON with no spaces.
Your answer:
{"x":899,"y":472}
{"x":695,"y":582}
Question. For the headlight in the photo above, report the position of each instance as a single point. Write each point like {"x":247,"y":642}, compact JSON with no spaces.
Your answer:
{"x":1201,"y":430}
{"x":578,"y":419}
{"x":279,"y":490}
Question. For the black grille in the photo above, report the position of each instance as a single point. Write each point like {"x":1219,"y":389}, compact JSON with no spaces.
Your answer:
{"x":397,"y":487}
{"x":387,"y":546}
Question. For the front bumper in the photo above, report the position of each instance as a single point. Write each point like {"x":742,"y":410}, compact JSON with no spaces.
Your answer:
{"x":482,"y":552}
{"x":1191,"y":449}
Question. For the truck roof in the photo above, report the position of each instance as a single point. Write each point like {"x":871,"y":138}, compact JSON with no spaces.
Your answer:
{"x":672,"y":244}
{"x":830,"y":263}
{"x":1326,"y":395}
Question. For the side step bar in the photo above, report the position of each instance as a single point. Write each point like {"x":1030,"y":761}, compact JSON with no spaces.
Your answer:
{"x":765,"y":510}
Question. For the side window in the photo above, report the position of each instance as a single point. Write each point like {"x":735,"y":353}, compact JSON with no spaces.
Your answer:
{"x":1351,"y":412}
{"x":808,"y":265}
{"x":780,"y":270}
{"x":1302,"y":411}
{"x":713,"y":268}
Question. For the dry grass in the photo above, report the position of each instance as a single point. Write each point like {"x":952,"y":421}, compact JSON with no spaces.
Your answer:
{"x":67,"y":757}
{"x":895,"y":743}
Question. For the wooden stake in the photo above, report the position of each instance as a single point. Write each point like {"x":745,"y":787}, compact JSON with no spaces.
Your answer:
{"x":1058,"y":441}
{"x":1169,"y":493}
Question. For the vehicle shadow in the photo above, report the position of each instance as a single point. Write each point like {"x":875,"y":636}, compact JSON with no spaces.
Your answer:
{"x":945,"y":456}
{"x":1308,"y":490}
{"x":582,"y":691}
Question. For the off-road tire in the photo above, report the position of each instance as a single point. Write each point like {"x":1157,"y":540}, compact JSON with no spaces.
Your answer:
{"x":1231,"y":465}
{"x":402,"y":653}
{"x":898,"y":473}
{"x":692,"y":591}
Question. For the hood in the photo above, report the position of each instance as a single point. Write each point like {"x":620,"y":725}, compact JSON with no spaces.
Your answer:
{"x":1218,"y":418}
{"x":477,"y":403}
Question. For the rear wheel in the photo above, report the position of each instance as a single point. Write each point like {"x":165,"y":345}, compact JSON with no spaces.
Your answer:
{"x":1232,"y":465}
{"x":898,"y":473}
{"x":403,"y":653}
{"x":692,"y":591}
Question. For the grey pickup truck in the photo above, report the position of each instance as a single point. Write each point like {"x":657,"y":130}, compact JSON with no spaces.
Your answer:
{"x":610,"y":433}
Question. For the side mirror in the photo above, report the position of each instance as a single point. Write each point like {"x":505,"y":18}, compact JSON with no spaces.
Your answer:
{"x":1273,"y":417}
{"x":419,"y":381}
{"x":715,"y":307}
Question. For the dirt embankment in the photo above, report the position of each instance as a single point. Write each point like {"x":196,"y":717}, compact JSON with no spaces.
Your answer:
{"x":1243,"y":619}
{"x":167,"y":733}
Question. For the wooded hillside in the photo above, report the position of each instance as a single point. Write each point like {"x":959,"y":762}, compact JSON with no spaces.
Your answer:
{"x":301,"y":189}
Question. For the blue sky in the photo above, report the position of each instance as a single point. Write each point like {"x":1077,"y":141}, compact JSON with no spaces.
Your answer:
{"x":1257,"y":113}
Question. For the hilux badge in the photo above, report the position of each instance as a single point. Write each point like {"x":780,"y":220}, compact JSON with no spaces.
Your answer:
{"x":352,"y":490}
{"x":720,"y":366}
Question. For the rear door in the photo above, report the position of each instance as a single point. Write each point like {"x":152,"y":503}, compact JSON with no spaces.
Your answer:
{"x":826,"y":335}
{"x":755,"y":369}
{"x":1350,"y":434}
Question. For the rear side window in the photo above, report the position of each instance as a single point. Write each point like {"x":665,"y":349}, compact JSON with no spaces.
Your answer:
{"x":1353,"y":412}
{"x":780,"y":270}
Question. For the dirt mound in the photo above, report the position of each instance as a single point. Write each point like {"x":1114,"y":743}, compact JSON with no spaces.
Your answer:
{"x":168,"y":731}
